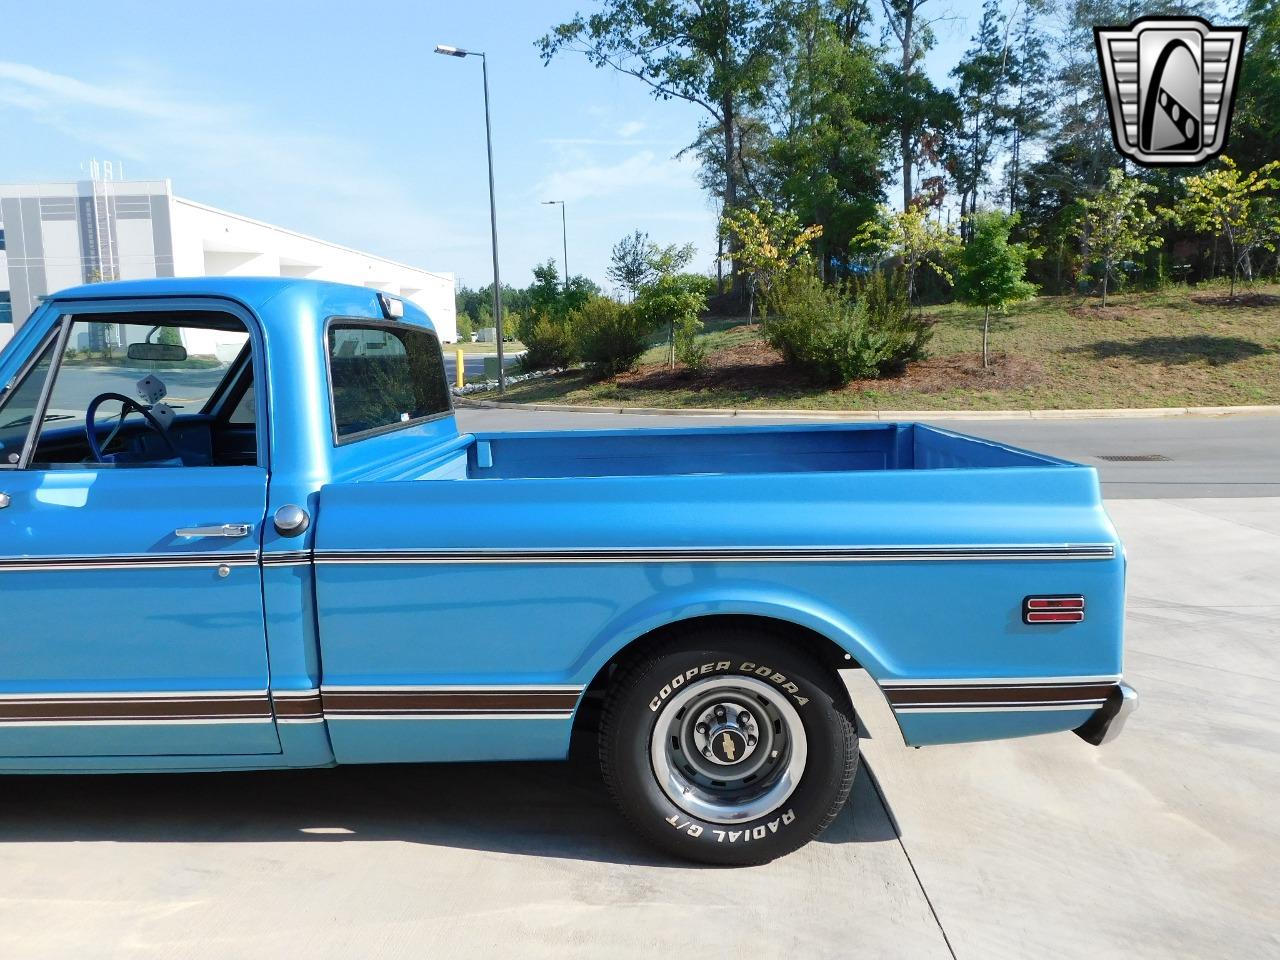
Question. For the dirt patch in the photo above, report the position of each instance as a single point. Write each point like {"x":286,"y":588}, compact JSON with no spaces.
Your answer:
{"x":960,"y":371}
{"x":757,"y":368}
{"x":1120,"y":311}
{"x":746,"y":366}
{"x":1239,"y":300}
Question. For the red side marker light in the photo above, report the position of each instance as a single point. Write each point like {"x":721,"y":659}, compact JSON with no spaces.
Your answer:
{"x":1064,"y":609}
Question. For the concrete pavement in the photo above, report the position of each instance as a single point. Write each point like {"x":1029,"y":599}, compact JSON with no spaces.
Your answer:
{"x":1159,"y":845}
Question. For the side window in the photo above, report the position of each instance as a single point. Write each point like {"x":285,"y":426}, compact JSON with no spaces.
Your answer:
{"x":18,"y":407}
{"x":384,"y":377}
{"x":245,"y":413}
{"x":131,"y":388}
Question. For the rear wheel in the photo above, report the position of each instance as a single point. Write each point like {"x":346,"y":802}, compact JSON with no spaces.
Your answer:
{"x":728,"y":747}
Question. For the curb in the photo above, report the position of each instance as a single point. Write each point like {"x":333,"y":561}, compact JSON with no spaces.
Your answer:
{"x":882,"y":415}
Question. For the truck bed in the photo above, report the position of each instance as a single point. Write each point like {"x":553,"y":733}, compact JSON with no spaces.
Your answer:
{"x":913,"y":548}
{"x":798,"y":448}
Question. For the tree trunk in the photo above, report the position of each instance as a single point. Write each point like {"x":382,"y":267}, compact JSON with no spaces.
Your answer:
{"x":986,"y":325}
{"x":1106,"y":272}
{"x":671,"y":344}
{"x":908,"y":42}
{"x":975,"y":176}
{"x":1017,"y":151}
{"x":1234,"y":263}
{"x":729,"y":202}
{"x":719,"y":259}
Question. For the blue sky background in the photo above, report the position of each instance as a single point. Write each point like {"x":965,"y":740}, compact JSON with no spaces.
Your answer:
{"x":337,"y":120}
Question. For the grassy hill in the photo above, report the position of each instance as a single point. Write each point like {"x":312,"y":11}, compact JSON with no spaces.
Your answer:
{"x":1177,"y":347}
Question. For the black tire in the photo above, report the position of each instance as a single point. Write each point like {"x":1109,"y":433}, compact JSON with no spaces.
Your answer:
{"x":640,"y":701}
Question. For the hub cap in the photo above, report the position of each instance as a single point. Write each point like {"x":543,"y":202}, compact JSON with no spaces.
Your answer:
{"x":728,"y":749}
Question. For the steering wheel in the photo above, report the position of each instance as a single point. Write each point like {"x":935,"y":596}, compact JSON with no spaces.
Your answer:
{"x":126,"y":404}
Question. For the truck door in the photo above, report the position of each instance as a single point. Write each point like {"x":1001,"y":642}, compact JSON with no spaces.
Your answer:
{"x":131,"y":614}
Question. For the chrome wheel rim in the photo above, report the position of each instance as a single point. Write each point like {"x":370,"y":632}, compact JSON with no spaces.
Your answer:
{"x":728,"y":749}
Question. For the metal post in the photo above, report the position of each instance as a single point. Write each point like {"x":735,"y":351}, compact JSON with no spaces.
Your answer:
{"x":493,"y":227}
{"x":564,"y":233}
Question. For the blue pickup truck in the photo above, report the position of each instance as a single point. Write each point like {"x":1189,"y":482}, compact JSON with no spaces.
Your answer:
{"x":239,"y":529}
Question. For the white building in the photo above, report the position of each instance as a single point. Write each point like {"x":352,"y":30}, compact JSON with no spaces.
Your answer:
{"x":58,"y":235}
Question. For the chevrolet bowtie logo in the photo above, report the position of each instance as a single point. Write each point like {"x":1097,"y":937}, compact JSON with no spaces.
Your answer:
{"x":1170,"y":85}
{"x":729,"y":749}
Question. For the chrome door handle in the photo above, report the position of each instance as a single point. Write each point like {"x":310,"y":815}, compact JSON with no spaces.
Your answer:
{"x":217,"y":530}
{"x":4,"y":500}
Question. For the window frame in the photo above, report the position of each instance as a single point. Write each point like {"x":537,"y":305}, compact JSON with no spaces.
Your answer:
{"x":69,"y":311}
{"x":394,"y":327}
{"x":56,"y":338}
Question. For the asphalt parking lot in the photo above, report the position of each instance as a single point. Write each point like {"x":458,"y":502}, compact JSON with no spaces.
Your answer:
{"x":1162,"y":844}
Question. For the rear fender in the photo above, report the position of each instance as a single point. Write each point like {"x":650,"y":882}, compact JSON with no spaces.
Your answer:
{"x":791,"y":607}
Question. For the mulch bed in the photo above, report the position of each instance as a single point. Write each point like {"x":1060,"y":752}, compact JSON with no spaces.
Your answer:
{"x":756,"y":367}
{"x":1239,"y":300}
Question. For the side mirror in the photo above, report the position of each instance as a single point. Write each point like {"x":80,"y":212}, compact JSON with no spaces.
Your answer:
{"x":157,"y":351}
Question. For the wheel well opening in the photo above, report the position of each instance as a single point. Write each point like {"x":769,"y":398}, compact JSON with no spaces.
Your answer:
{"x":825,"y":650}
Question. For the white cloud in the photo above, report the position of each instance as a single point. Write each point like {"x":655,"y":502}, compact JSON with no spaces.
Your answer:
{"x":252,"y":164}
{"x":638,"y":172}
{"x":630,"y":129}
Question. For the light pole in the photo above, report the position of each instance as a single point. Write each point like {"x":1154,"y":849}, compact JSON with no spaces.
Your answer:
{"x":493,"y":203}
{"x":564,"y":233}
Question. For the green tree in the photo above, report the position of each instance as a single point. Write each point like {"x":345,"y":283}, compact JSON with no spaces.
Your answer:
{"x":465,"y":328}
{"x":992,"y":272}
{"x":918,"y":113}
{"x":1117,"y":223}
{"x":1028,"y":118}
{"x":676,"y":302}
{"x":826,"y":155}
{"x":913,"y":237}
{"x":546,"y":293}
{"x":986,"y":118}
{"x":771,"y":244}
{"x":715,"y":54}
{"x":636,"y":261}
{"x":1255,"y":134}
{"x":1224,"y":202}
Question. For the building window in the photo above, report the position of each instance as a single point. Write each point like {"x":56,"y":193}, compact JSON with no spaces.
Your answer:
{"x":1,"y":238}
{"x":6,"y":307}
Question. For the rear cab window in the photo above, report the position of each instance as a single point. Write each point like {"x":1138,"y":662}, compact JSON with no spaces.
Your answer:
{"x":384,"y":377}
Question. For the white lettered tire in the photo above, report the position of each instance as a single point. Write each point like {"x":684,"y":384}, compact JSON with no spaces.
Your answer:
{"x":727,"y":746}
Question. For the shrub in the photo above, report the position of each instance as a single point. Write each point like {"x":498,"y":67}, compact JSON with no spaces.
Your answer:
{"x":674,"y":302}
{"x":689,"y":350}
{"x":844,"y":332}
{"x":549,"y":343}
{"x":610,"y":337}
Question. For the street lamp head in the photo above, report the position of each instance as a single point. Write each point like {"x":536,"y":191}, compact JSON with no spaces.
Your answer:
{"x":450,"y":51}
{"x":549,"y":203}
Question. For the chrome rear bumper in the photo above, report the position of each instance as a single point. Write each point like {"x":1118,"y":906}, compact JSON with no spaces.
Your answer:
{"x":1105,"y":725}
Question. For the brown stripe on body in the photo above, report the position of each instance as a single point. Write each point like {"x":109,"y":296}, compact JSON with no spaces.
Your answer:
{"x":305,"y":706}
{"x":451,"y":701}
{"x":138,"y":707}
{"x":1000,"y":695}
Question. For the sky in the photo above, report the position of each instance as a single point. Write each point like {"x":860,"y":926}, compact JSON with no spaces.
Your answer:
{"x":337,"y":120}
